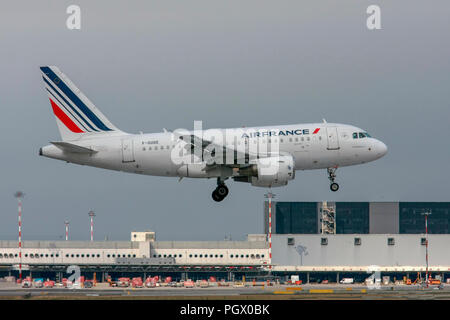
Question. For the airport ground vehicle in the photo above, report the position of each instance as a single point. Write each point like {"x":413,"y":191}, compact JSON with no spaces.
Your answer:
{"x":137,"y":282}
{"x":38,"y":283}
{"x":27,"y":282}
{"x":203,"y":284}
{"x":347,"y":281}
{"x":123,"y":282}
{"x":189,"y":283}
{"x":434,"y":281}
{"x":150,"y":282}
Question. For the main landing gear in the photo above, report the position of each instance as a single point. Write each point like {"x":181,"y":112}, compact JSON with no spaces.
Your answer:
{"x":331,"y":176}
{"x":220,"y":192}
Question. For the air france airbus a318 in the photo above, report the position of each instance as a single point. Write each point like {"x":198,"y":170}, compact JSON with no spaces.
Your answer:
{"x":262,"y":156}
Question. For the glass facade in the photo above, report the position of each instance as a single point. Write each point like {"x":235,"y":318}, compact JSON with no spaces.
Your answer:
{"x":412,"y":219}
{"x":352,"y":217}
{"x":296,"y":217}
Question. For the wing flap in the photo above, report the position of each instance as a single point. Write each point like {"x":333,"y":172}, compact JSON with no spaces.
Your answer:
{"x":206,"y":146}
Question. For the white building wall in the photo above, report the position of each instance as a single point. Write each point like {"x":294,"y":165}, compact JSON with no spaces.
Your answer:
{"x":206,"y":253}
{"x":374,"y":250}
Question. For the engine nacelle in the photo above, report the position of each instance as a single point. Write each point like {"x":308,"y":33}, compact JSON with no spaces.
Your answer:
{"x":273,"y":171}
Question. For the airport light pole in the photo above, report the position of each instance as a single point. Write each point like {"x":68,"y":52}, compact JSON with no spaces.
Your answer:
{"x":426,"y":214}
{"x":19,"y":196}
{"x":66,"y":223}
{"x":269,"y":195}
{"x":92,"y":215}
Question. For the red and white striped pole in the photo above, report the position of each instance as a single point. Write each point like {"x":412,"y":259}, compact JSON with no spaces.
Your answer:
{"x":426,"y":232}
{"x":270,"y":195}
{"x":426,"y":244}
{"x":92,"y":215}
{"x":67,"y":229}
{"x":19,"y":195}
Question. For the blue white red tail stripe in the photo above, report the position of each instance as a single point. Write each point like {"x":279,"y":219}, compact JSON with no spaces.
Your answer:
{"x":75,"y":99}
{"x":60,"y":104}
{"x":79,"y":116}
{"x":64,"y":118}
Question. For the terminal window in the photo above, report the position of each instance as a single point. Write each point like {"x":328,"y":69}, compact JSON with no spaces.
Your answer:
{"x":412,"y":219}
{"x":352,"y":217}
{"x":296,"y":217}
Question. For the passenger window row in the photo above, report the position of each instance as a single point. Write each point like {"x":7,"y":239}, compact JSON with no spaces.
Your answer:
{"x":83,"y":255}
{"x":26,"y":255}
{"x":123,"y":256}
{"x":157,"y":148}
{"x":206,"y":256}
{"x":167,"y":256}
{"x":252,"y":256}
{"x":296,"y":139}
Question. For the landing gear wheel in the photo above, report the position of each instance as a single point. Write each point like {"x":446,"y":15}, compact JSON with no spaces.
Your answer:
{"x":222,"y":191}
{"x":331,"y":176}
{"x":334,"y":187}
{"x":216,"y":197}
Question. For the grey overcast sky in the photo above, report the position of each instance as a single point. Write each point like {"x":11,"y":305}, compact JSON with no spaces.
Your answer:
{"x":154,"y":64}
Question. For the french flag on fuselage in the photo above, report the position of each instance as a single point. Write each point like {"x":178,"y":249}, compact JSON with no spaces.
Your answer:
{"x":68,"y":107}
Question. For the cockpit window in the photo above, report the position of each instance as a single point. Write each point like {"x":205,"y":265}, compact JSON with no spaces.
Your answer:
{"x":361,"y":135}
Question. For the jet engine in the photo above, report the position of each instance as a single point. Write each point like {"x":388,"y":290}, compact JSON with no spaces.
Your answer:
{"x":268,"y":172}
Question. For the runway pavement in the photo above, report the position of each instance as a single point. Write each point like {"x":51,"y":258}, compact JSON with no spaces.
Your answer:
{"x":12,"y":291}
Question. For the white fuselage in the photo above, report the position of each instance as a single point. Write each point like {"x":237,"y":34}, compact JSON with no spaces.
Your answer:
{"x":313,"y":146}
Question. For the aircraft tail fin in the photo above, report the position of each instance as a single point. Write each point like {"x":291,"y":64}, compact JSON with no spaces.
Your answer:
{"x":76,"y":116}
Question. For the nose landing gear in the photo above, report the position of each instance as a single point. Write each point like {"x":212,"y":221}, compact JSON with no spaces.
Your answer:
{"x":220,"y":192}
{"x":331,"y":176}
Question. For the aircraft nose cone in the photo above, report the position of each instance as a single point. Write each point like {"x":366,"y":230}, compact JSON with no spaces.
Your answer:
{"x":381,"y":148}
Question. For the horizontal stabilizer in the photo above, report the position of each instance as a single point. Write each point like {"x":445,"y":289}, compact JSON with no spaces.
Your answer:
{"x":73,"y":148}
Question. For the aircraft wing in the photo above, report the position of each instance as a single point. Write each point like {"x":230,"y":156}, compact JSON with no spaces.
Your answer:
{"x":215,"y":152}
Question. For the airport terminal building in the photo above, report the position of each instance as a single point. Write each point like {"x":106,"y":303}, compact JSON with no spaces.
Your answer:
{"x":315,"y":240}
{"x":336,"y":239}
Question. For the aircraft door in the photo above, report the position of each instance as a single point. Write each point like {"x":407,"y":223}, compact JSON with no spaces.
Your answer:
{"x":332,"y":138}
{"x":127,"y":150}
